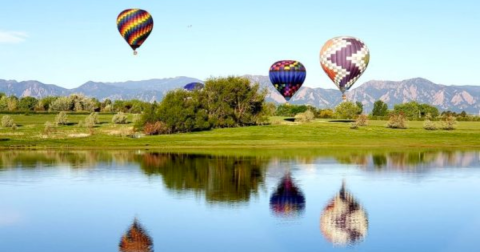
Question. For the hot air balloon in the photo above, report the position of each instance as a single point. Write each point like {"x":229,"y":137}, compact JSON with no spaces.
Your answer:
{"x":344,"y":221}
{"x":287,"y":76}
{"x":344,"y":59}
{"x":136,"y":239}
{"x":135,"y":25}
{"x":287,"y":200}
{"x":194,"y":86}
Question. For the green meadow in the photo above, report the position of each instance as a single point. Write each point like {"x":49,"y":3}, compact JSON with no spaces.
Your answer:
{"x":280,"y":134}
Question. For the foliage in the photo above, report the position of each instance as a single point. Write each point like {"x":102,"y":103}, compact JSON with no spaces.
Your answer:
{"x":413,"y":110}
{"x":449,"y":122}
{"x":429,"y":125}
{"x":397,"y":121}
{"x":347,"y":110}
{"x":233,"y":102}
{"x":7,"y":121}
{"x":305,"y":117}
{"x":380,"y":108}
{"x":183,"y":111}
{"x":354,"y":125}
{"x":362,"y":120}
{"x":325,"y":113}
{"x":120,"y":118}
{"x":61,"y":118}
{"x":290,"y":109}
{"x":14,"y":126}
{"x":27,"y":103}
{"x":360,"y":107}
{"x":224,"y":102}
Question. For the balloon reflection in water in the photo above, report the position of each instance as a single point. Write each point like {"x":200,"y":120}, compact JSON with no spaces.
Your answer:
{"x":287,"y":200}
{"x":136,"y":239}
{"x":344,"y":221}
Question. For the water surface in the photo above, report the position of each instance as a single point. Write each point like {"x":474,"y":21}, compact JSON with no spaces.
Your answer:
{"x":146,"y":201}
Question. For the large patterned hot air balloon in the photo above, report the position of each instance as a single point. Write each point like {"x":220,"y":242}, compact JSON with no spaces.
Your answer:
{"x":135,"y":25}
{"x":287,"y":76}
{"x":287,"y":200}
{"x":344,"y":221}
{"x":344,"y":59}
{"x":194,"y":86}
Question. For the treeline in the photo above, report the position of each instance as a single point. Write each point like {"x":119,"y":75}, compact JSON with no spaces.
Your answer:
{"x":71,"y":103}
{"x":222,"y":103}
{"x":350,"y":110}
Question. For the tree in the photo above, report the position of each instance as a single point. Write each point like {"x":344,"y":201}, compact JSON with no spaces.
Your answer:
{"x":183,"y":111}
{"x":360,"y":107}
{"x":411,"y":110}
{"x":380,"y":108}
{"x":346,"y":110}
{"x":12,"y":103}
{"x":234,"y":101}
{"x":27,"y":103}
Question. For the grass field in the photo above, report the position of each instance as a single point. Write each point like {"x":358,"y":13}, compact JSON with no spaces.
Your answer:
{"x":279,"y":135}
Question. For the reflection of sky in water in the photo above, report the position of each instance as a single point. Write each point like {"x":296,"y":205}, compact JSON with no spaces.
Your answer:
{"x":89,"y":207}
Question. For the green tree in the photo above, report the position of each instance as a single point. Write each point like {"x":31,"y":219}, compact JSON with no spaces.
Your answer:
{"x":411,"y":110}
{"x":183,"y":111}
{"x":27,"y":103}
{"x":346,"y":110}
{"x":360,"y":107}
{"x":380,"y":108}
{"x":234,"y":101}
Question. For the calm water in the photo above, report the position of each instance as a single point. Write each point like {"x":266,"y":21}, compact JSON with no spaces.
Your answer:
{"x":143,"y":201}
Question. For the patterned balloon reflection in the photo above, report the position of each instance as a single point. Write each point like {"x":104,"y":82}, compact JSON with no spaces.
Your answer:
{"x":136,"y":240}
{"x":344,"y":221}
{"x":287,"y":200}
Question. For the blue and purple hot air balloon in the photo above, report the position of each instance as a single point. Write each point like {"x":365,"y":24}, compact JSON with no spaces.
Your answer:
{"x":287,"y":76}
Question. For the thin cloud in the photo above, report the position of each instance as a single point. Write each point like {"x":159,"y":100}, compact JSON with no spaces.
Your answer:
{"x":12,"y":37}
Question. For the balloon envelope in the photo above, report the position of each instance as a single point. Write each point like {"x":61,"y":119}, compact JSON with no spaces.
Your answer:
{"x":194,"y":86}
{"x":135,"y":25}
{"x":287,"y":76}
{"x":344,"y":59}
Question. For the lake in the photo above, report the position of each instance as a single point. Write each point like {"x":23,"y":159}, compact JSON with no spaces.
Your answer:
{"x":285,"y":200}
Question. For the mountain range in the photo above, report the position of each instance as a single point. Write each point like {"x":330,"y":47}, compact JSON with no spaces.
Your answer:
{"x":454,"y":98}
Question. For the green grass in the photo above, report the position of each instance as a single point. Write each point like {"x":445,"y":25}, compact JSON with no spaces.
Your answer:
{"x":278,"y":135}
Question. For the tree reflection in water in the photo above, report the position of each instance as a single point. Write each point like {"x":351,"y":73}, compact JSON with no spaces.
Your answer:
{"x":136,"y":239}
{"x":344,"y":221}
{"x":287,"y":200}
{"x":221,"y":179}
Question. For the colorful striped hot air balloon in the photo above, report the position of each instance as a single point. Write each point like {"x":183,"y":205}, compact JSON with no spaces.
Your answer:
{"x":344,"y":59}
{"x":135,"y":25}
{"x":287,"y":76}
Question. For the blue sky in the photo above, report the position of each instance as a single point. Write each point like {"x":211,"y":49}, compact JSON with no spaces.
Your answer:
{"x":71,"y":42}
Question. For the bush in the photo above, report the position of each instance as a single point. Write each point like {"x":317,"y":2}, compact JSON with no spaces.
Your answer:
{"x":14,"y":127}
{"x":397,"y":121}
{"x":354,"y":125}
{"x":61,"y":118}
{"x":7,"y":121}
{"x":120,"y":118}
{"x":429,"y":125}
{"x":305,"y":117}
{"x":49,"y":128}
{"x":362,"y":120}
{"x":449,"y":122}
